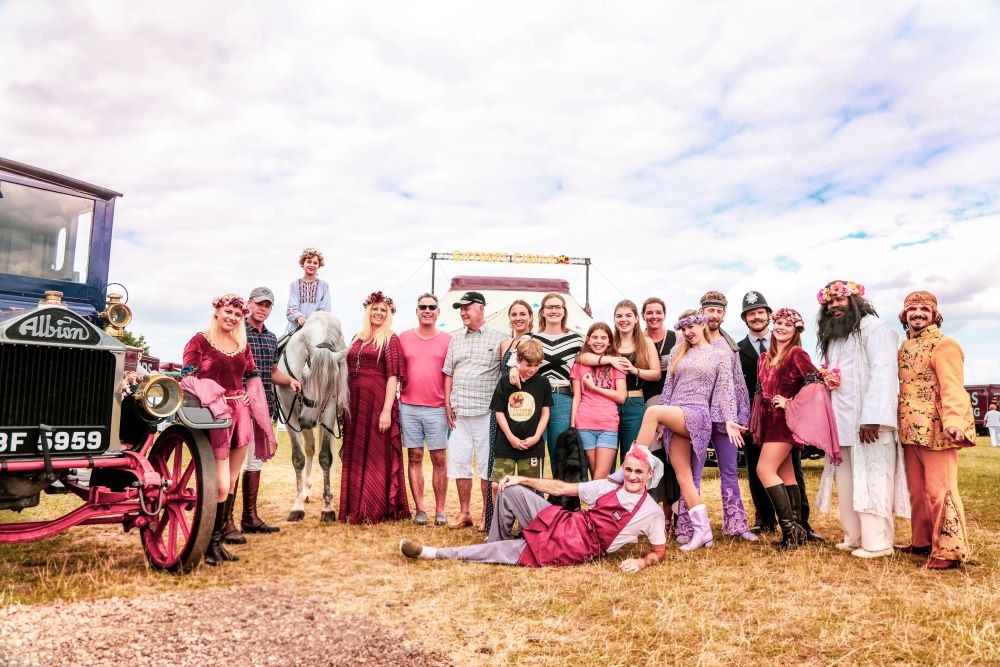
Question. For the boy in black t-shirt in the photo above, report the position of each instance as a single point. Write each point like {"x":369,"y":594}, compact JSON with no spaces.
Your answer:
{"x":522,"y":415}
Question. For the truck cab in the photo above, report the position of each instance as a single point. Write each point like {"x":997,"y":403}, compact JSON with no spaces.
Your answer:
{"x":55,"y":236}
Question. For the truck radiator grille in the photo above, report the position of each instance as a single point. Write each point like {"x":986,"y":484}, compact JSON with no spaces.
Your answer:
{"x":57,"y":386}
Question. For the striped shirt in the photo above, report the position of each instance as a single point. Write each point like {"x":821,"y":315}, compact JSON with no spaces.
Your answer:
{"x":560,"y":355}
{"x":473,"y":362}
{"x":263,"y":345}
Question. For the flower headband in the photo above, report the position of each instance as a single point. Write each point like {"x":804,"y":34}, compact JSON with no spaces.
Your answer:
{"x":790,"y":315}
{"x":378,"y":297}
{"x":839,"y":289}
{"x":697,"y":318}
{"x":234,"y":300}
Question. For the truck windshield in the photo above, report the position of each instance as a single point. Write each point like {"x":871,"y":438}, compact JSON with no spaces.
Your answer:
{"x":44,"y":234}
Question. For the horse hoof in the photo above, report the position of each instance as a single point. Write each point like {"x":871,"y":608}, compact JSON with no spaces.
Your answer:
{"x":327,"y":517}
{"x":307,"y":499}
{"x":296,"y":515}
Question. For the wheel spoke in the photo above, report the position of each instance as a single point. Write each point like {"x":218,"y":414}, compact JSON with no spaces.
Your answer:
{"x":180,"y":516}
{"x":186,"y":477}
{"x":171,"y":536}
{"x":178,"y":455}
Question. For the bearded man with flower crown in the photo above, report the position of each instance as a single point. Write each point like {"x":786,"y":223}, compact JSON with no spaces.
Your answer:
{"x":859,"y":367}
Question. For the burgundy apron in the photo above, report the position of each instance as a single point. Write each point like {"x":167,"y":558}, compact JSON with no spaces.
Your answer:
{"x":559,"y":537}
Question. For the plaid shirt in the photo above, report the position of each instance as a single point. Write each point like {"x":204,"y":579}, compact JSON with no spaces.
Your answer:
{"x":473,"y":362}
{"x":263,"y":346}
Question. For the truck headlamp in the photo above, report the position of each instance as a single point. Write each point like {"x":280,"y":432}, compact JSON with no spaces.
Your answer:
{"x":159,"y":395}
{"x":117,"y":315}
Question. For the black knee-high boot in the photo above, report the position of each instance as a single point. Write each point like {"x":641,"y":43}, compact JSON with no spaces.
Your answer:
{"x":213,"y":553}
{"x":223,"y":551}
{"x":795,"y":496}
{"x":792,"y":534}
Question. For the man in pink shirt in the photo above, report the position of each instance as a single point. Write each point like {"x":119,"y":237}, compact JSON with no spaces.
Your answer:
{"x":421,"y":407}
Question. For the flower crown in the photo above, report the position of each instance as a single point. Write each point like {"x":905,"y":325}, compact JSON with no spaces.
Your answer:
{"x":234,"y":300}
{"x":839,"y":289}
{"x":697,"y":318}
{"x":378,"y":297}
{"x":790,"y":315}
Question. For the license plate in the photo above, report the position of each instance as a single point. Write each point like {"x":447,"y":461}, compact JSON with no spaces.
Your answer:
{"x":60,"y":441}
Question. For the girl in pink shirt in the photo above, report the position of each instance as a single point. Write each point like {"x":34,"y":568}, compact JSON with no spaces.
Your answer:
{"x":597,"y":393}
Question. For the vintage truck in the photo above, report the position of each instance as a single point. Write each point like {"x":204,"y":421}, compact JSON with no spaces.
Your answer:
{"x":69,"y":424}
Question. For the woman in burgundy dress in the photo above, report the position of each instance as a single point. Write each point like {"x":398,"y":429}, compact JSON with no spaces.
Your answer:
{"x":780,"y":376}
{"x":371,"y":481}
{"x":220,"y":353}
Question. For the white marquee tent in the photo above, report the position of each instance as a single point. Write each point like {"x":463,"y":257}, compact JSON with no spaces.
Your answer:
{"x":500,"y":292}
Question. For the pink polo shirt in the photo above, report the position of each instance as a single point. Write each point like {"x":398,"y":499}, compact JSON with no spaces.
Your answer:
{"x":424,"y":382}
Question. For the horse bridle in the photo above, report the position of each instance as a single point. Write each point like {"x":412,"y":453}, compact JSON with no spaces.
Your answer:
{"x":300,"y":396}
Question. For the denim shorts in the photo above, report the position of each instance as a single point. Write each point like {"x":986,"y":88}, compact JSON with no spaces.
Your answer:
{"x":420,"y":423}
{"x":593,"y":439}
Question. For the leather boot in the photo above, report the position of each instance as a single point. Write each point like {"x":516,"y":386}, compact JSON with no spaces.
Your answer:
{"x":795,"y":498}
{"x":702,"y":535}
{"x":230,"y":535}
{"x":251,"y":523}
{"x":792,"y":534}
{"x":225,"y":553}
{"x":213,"y":553}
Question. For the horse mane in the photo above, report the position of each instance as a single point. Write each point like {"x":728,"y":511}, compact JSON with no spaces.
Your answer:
{"x":327,"y":354}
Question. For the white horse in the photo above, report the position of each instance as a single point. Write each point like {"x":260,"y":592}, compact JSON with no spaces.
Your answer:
{"x":316,"y":356}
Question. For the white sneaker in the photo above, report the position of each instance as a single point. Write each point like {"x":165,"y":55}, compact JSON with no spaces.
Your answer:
{"x":864,"y":553}
{"x":844,"y":546}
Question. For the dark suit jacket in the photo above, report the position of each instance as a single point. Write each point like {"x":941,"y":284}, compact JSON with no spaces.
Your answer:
{"x":748,"y":359}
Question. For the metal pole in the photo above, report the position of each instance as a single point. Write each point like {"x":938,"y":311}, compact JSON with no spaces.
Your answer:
{"x":587,"y":281}
{"x":433,"y":266}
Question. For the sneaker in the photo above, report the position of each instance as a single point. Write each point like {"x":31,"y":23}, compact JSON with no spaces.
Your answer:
{"x":844,"y":546}
{"x":864,"y":553}
{"x":410,"y":549}
{"x":420,"y":518}
{"x":440,"y":519}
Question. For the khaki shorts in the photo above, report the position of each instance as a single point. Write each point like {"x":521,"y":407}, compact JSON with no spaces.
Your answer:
{"x":523,"y":467}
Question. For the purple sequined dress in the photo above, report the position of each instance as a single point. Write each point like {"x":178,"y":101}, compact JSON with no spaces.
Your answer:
{"x":701,"y":387}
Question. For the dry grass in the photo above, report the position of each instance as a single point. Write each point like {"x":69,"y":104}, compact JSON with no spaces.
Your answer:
{"x":735,"y":603}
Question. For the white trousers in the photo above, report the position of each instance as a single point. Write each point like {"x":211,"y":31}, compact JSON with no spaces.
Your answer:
{"x":995,"y":436}
{"x":873,"y":532}
{"x":471,"y":437}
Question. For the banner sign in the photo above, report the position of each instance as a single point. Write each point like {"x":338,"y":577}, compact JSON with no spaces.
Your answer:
{"x":508,"y":258}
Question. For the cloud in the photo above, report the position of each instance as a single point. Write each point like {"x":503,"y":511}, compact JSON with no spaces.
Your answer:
{"x":685,"y":147}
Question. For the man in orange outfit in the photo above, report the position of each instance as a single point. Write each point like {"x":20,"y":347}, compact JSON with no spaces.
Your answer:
{"x":935,"y":421}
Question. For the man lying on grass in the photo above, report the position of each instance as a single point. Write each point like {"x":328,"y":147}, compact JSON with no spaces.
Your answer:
{"x":552,"y":536}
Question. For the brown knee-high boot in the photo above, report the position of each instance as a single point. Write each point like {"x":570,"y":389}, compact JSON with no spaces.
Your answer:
{"x":251,"y":523}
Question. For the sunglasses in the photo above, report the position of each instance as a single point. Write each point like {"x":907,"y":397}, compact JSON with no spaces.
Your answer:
{"x":425,"y":306}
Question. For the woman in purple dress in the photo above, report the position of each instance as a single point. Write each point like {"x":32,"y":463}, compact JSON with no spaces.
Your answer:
{"x":699,"y":383}
{"x":781,"y":374}
{"x":371,"y":481}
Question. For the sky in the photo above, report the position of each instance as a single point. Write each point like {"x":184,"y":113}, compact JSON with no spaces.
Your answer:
{"x":681,"y":146}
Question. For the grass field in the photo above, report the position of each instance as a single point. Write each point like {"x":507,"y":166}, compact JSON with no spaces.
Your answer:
{"x":734,"y":603}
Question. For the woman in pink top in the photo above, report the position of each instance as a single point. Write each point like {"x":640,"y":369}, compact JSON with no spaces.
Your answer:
{"x":597,"y":393}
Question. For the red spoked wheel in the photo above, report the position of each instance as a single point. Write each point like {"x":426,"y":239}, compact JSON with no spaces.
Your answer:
{"x":176,"y":538}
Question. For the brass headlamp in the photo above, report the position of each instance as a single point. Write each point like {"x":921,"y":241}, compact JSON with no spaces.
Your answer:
{"x":116,"y":316}
{"x":159,"y":395}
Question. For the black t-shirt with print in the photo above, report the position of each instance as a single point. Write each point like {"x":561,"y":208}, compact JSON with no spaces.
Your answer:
{"x":522,"y":408}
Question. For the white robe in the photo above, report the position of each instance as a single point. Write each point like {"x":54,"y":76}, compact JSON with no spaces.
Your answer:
{"x":868,"y":394}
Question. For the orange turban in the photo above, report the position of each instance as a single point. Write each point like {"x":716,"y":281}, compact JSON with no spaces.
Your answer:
{"x":921,"y":298}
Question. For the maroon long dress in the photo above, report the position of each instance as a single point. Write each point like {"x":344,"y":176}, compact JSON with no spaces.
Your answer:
{"x":371,"y":483}
{"x":785,"y":380}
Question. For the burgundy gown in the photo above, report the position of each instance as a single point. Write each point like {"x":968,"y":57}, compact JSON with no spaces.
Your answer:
{"x":371,"y":482}
{"x":228,"y":370}
{"x":785,"y":380}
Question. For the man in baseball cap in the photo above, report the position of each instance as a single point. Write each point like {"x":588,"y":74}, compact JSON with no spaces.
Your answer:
{"x":469,"y":298}
{"x":263,"y":345}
